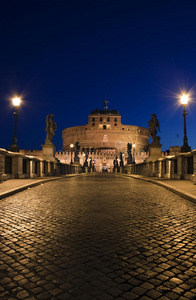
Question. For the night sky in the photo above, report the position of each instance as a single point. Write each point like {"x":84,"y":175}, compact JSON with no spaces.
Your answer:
{"x":65,"y":57}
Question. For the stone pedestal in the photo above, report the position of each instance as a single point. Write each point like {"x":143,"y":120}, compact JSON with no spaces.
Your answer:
{"x":154,"y":152}
{"x":48,"y":152}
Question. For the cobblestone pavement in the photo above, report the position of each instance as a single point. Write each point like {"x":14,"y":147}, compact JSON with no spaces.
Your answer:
{"x":97,"y":237}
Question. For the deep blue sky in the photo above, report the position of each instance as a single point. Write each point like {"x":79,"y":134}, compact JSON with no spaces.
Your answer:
{"x":65,"y":57}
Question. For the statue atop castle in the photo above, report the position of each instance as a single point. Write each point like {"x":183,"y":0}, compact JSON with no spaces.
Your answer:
{"x":105,"y":104}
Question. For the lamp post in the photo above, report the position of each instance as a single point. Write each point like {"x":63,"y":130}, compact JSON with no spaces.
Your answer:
{"x":16,"y":103}
{"x":185,"y":147}
{"x":71,"y":146}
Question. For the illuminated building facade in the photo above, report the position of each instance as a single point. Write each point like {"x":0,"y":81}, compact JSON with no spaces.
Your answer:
{"x":103,"y":140}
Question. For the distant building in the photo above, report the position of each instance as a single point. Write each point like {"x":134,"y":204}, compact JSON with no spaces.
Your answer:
{"x":104,"y":139}
{"x":102,"y":143}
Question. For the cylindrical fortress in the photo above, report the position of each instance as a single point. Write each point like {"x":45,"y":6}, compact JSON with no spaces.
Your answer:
{"x":105,"y":131}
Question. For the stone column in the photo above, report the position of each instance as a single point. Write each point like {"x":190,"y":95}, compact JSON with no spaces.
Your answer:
{"x":193,"y":177}
{"x":31,"y":168}
{"x":28,"y":167}
{"x":40,"y":168}
{"x":160,"y":169}
{"x":168,"y":169}
{"x":3,"y":176}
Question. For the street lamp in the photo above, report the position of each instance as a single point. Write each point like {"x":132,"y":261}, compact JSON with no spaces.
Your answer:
{"x":16,"y":103}
{"x":185,"y":147}
{"x":71,"y":146}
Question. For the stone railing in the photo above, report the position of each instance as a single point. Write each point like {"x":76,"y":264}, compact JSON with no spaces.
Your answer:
{"x":180,"y":166}
{"x":18,"y":165}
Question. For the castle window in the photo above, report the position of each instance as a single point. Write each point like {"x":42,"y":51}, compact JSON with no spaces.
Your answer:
{"x":115,"y":120}
{"x":123,"y":129}
{"x":104,"y":126}
{"x":93,"y":124}
{"x":108,"y":119}
{"x":93,"y":120}
{"x":100,"y":119}
{"x":115,"y":124}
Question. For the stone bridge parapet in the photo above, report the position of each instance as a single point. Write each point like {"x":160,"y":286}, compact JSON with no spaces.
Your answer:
{"x":18,"y":165}
{"x":179,"y":166}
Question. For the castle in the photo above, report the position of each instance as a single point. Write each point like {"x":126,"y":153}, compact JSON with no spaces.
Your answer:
{"x":104,"y":139}
{"x":102,"y":142}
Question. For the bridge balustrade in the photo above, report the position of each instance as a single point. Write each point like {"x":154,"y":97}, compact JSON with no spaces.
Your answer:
{"x":180,"y":166}
{"x":19,"y":165}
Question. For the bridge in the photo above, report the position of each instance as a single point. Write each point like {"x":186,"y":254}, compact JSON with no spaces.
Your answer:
{"x":19,"y":165}
{"x":97,"y":236}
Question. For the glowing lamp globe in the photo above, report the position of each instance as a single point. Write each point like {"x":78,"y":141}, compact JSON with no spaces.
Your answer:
{"x":16,"y":101}
{"x":184,"y":99}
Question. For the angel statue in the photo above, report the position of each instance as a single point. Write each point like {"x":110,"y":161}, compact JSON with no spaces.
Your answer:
{"x":50,"y":127}
{"x":153,"y":125}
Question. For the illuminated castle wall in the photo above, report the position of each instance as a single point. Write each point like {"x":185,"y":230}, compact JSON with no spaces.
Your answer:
{"x":104,"y":137}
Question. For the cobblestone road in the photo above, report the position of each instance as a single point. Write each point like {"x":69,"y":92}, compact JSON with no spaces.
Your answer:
{"x":97,"y":237}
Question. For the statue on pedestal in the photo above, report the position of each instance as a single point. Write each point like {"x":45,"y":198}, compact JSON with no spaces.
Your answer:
{"x":105,"y":104}
{"x":50,"y":128}
{"x":153,"y":125}
{"x":155,"y":146}
{"x":48,"y":149}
